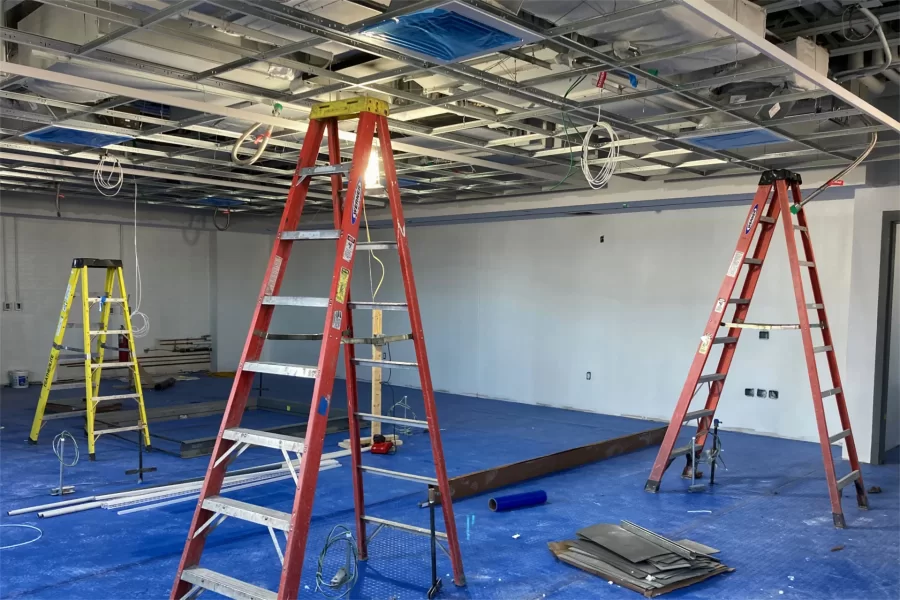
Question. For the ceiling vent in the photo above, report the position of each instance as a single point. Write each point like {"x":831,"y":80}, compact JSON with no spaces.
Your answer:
{"x":448,"y":32}
{"x":736,"y":139}
{"x":54,"y":134}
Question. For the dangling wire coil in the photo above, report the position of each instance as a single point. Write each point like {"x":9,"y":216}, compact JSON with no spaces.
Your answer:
{"x":58,"y":443}
{"x":108,"y":176}
{"x":601,"y":179}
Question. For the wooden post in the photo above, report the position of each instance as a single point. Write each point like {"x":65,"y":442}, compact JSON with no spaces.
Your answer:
{"x":377,"y":354}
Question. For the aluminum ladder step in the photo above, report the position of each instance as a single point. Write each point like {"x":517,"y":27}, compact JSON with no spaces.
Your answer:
{"x":261,"y":515}
{"x":385,"y":364}
{"x":404,"y":527}
{"x":818,"y":349}
{"x":711,"y":377}
{"x":68,"y":386}
{"x":680,"y":451}
{"x":273,"y":368}
{"x":225,"y":585}
{"x":393,"y":420}
{"x":763,"y":326}
{"x":99,"y":299}
{"x":398,"y":475}
{"x":338,"y":169}
{"x":108,"y":331}
{"x":739,"y":301}
{"x":815,"y":306}
{"x":807,"y":263}
{"x":752,"y":261}
{"x":64,"y":415}
{"x":765,"y":219}
{"x":118,"y":429}
{"x":265,"y":439}
{"x":115,"y":397}
{"x":112,"y":365}
{"x":334,"y":234}
{"x":847,"y":479}
{"x":832,"y":392}
{"x":725,"y":340}
{"x":800,"y":228}
{"x":698,"y":414}
{"x":839,"y":436}
{"x":319,"y":302}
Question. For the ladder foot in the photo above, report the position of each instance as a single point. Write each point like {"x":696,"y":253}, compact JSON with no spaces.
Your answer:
{"x":863,"y":503}
{"x":651,"y":486}
{"x":32,"y":442}
{"x":92,"y":456}
{"x":839,"y":520}
{"x":460,"y":581}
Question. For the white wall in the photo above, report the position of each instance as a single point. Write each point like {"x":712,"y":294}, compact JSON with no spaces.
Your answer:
{"x":892,"y":431}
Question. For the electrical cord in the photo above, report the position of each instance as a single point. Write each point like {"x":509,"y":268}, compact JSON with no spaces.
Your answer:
{"x":796,"y":207}
{"x":847,"y":25}
{"x":602,"y":178}
{"x":144,"y":329}
{"x":58,"y":442}
{"x":347,"y":575}
{"x":108,"y":176}
{"x":261,"y":141}
{"x":373,"y":289}
{"x":566,"y":123}
{"x":227,"y":219}
{"x":40,"y":535}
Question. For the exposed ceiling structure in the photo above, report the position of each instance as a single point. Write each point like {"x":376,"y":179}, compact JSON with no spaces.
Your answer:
{"x":488,"y":97}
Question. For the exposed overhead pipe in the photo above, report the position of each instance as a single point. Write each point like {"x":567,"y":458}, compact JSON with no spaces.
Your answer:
{"x":869,"y":73}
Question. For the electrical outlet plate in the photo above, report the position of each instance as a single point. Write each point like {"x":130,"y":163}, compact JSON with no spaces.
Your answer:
{"x":760,"y":393}
{"x":587,"y":375}
{"x":7,"y":306}
{"x":763,"y":335}
{"x":18,"y":306}
{"x":748,"y":392}
{"x":773,"y":394}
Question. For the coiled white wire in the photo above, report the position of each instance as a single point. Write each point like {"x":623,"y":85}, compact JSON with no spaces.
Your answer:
{"x":58,"y":442}
{"x":609,"y":167}
{"x":108,"y":176}
{"x":23,"y":526}
{"x":141,"y":331}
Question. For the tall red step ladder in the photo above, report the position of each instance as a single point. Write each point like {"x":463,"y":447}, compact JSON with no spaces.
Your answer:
{"x":232,"y":439}
{"x":771,"y":202}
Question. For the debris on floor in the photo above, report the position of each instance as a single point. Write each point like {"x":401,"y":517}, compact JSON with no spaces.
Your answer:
{"x":639,"y":559}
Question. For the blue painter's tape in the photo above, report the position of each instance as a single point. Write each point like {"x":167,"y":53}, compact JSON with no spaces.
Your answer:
{"x":323,"y":406}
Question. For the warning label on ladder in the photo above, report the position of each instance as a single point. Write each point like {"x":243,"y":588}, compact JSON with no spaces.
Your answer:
{"x":341,"y":294}
{"x":735,"y":265}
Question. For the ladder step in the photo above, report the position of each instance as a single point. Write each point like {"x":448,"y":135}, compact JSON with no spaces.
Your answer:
{"x":67,"y":386}
{"x":107,"y":331}
{"x":404,"y":527}
{"x":680,"y":451}
{"x":385,"y":364}
{"x":761,"y":325}
{"x":266,"y":439}
{"x":847,"y":479}
{"x":806,"y":263}
{"x":318,"y":302}
{"x":698,"y":414}
{"x":118,"y":429}
{"x":225,"y":585}
{"x":380,"y":340}
{"x":725,"y":340}
{"x":115,"y":397}
{"x":839,"y":436}
{"x":831,"y":392}
{"x":376,"y":245}
{"x":767,"y":219}
{"x":95,"y":300}
{"x":399,"y":475}
{"x":64,"y":415}
{"x":800,"y":228}
{"x":711,"y":377}
{"x":815,"y":306}
{"x":295,"y":337}
{"x":274,"y":368}
{"x":267,"y":517}
{"x":338,"y":169}
{"x":739,"y":301}
{"x":392,"y":420}
{"x":311,"y":234}
{"x":112,"y":365}
{"x":752,"y":261}
{"x":818,"y":349}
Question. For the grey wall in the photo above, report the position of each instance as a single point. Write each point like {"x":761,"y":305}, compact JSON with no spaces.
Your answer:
{"x":892,"y":430}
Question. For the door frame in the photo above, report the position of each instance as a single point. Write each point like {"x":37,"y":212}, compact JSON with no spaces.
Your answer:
{"x":889,"y":241}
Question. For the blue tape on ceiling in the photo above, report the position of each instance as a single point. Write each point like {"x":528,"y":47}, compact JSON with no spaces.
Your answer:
{"x":220,"y":202}
{"x":737,"y":139}
{"x":441,"y":34}
{"x":66,"y":135}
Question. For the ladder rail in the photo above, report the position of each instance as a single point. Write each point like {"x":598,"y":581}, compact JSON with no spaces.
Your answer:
{"x":243,"y":380}
{"x":289,"y":586}
{"x":768,"y":223}
{"x":105,"y":312}
{"x":132,"y":348}
{"x":709,"y":332}
{"x":415,"y":320}
{"x":334,"y":157}
{"x":831,"y":356}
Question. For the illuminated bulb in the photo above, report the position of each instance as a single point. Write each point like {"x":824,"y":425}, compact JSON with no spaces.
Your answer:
{"x":373,"y":170}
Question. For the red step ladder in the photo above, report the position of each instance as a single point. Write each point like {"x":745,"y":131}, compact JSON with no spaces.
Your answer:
{"x":770,"y":203}
{"x":192,"y":579}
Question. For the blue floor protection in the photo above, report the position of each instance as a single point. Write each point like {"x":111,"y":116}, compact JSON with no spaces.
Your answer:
{"x":768,"y":514}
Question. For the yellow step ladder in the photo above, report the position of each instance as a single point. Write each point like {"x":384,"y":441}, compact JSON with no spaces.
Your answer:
{"x":93,"y":351}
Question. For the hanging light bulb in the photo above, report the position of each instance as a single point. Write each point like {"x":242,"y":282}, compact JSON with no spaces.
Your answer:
{"x":373,"y":170}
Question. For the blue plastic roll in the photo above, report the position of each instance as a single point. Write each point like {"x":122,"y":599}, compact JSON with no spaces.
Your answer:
{"x":514,"y":501}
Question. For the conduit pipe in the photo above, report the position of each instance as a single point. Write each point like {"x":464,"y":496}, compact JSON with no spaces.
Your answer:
{"x":885,"y":63}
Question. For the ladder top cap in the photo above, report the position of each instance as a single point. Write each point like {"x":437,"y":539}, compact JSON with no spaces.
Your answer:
{"x":96,"y":263}
{"x":780,"y":175}
{"x":349,"y":108}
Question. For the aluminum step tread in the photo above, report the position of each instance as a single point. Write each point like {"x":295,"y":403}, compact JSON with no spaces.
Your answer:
{"x":261,"y":515}
{"x":276,"y":441}
{"x":225,"y":585}
{"x":274,"y":368}
{"x":399,"y":475}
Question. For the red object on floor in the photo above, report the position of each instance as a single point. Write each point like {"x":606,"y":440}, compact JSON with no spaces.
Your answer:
{"x":382,"y":448}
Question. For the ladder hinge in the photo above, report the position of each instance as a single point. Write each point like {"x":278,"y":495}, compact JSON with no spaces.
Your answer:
{"x":779,"y":175}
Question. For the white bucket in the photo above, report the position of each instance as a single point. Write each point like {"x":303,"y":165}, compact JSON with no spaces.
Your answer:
{"x":18,"y":379}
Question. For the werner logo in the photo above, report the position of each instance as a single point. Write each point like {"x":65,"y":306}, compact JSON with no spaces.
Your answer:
{"x":357,"y":198}
{"x":752,"y":218}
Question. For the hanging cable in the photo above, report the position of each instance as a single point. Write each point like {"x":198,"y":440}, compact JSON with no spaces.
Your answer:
{"x":108,"y":176}
{"x":601,"y":179}
{"x":566,"y":123}
{"x":346,"y":575}
{"x":795,"y":208}
{"x":23,"y":526}
{"x":373,"y":289}
{"x":58,"y":442}
{"x":261,"y":141}
{"x":141,"y":331}
{"x":227,"y":219}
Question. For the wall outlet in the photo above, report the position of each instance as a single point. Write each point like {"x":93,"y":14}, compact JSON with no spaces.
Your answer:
{"x":773,"y":394}
{"x":763,"y":335}
{"x":748,"y":392}
{"x":760,"y":393}
{"x":7,"y":306}
{"x":601,"y":239}
{"x":587,"y":375}
{"x":18,"y":306}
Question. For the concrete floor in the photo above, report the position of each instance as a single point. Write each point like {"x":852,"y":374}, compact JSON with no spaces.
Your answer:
{"x":769,"y":514}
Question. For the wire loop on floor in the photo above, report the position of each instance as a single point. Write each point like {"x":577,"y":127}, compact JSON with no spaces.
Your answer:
{"x":346,"y":576}
{"x":39,"y":536}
